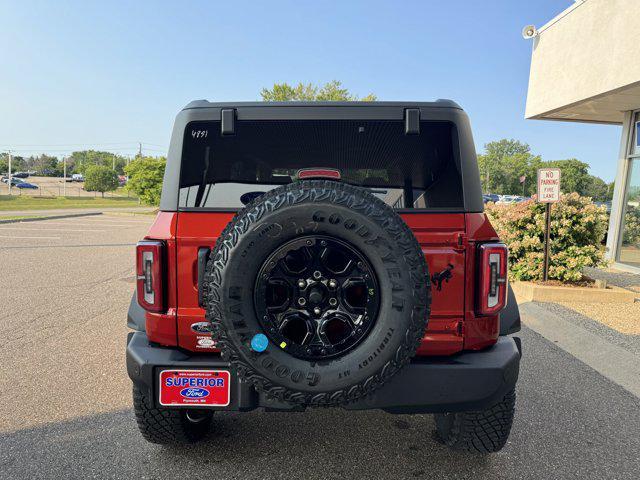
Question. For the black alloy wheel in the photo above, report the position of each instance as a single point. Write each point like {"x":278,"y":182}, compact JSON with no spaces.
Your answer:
{"x":316,"y":297}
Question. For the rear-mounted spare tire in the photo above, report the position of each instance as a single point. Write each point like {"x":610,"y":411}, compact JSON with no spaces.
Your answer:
{"x":333,"y":278}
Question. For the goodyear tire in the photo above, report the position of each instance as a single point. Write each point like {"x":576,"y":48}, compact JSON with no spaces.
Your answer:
{"x":310,"y":230}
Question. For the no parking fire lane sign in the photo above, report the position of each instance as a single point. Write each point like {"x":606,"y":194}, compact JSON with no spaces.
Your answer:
{"x":548,"y":185}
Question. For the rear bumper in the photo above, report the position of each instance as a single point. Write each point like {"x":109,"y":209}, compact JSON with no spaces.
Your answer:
{"x":462,"y":382}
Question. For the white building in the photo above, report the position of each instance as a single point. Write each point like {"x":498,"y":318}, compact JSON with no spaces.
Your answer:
{"x":585,"y":67}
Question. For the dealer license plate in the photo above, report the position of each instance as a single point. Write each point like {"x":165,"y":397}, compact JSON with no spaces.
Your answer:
{"x":195,"y":388}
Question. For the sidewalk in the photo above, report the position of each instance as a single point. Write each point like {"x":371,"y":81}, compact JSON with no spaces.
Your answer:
{"x":619,"y":364}
{"x":624,"y":339}
{"x":66,"y":211}
{"x":615,"y":277}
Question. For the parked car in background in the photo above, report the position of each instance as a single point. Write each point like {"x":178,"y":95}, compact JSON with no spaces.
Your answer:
{"x":26,"y":185}
{"x":20,"y":175}
{"x":490,"y":197}
{"x":14,"y":180}
{"x":77,"y":177}
{"x":507,"y":199}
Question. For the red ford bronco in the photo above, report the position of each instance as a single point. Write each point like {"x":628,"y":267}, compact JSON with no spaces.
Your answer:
{"x":323,"y":254}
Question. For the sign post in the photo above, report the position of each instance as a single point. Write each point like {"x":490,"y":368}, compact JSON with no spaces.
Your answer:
{"x":548,"y":193}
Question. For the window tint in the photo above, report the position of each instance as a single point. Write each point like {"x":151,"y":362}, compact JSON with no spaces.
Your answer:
{"x":405,"y":171}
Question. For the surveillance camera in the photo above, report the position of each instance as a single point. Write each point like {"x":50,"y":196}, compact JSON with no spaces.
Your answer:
{"x":529,"y":32}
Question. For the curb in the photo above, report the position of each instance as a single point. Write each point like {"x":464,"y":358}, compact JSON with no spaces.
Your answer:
{"x":50,"y":217}
{"x":531,"y":292}
{"x":130,"y":214}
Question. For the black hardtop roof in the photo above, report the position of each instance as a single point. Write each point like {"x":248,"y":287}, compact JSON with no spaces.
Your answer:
{"x":440,"y":103}
{"x":436,"y":111}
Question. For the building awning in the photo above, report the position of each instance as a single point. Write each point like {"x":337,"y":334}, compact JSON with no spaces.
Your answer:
{"x":585,"y":64}
{"x":604,"y":108}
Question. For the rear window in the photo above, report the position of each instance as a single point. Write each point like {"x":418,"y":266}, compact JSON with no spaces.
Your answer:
{"x":405,"y":171}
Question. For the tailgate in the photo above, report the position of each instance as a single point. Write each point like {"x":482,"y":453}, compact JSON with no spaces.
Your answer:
{"x":439,"y":235}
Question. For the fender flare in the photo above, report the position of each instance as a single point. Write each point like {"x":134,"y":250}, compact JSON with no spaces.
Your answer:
{"x":136,"y":319}
{"x":510,"y":315}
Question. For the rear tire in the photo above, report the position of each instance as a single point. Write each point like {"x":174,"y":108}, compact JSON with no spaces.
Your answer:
{"x":169,"y":427}
{"x":484,"y":431}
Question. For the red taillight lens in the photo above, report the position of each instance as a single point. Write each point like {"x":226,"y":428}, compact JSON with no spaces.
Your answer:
{"x":149,"y":273}
{"x":492,"y":293}
{"x":308,"y":173}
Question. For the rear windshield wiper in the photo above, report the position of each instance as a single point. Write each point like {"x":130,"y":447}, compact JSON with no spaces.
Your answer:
{"x":203,"y":183}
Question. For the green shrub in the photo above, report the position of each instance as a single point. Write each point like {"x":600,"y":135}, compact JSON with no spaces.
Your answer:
{"x":631,"y":234}
{"x":577,"y":230}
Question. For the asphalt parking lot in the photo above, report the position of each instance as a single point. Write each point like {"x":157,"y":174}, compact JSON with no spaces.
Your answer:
{"x":66,"y":410}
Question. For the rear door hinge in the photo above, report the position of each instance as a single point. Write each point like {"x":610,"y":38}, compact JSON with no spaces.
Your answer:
{"x":203,"y":257}
{"x":462,"y":242}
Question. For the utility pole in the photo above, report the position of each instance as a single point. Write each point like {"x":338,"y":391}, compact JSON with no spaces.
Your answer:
{"x":64,"y":176}
{"x":140,"y":149}
{"x":9,"y":172}
{"x":113,"y":166}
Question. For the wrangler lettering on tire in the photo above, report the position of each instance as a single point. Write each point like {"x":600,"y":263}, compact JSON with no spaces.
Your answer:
{"x":336,"y":281}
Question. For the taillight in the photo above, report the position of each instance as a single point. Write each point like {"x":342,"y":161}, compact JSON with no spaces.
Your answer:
{"x":149,"y":257}
{"x":492,"y":265}
{"x":309,"y":173}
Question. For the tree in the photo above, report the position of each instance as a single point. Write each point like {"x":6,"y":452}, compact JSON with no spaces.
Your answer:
{"x":331,"y":92}
{"x":574,"y":175}
{"x":18,"y":163}
{"x":44,"y":164}
{"x":79,"y":161}
{"x":504,"y":148}
{"x":98,"y":178}
{"x":145,"y":178}
{"x":504,"y":164}
{"x":598,"y":189}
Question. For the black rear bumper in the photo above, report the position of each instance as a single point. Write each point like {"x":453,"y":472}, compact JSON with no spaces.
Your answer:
{"x":462,"y":382}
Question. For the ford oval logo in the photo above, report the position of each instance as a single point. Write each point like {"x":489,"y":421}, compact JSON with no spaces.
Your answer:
{"x":201,"y":327}
{"x":194,"y":392}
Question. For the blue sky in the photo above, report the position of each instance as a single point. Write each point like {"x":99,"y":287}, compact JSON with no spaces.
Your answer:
{"x":111,"y":74}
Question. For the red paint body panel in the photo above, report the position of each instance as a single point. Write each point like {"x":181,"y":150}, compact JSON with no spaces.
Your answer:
{"x":438,"y":235}
{"x":161,"y":327}
{"x":445,"y":238}
{"x":479,"y":332}
{"x":195,"y":230}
